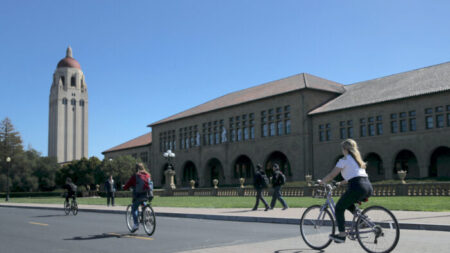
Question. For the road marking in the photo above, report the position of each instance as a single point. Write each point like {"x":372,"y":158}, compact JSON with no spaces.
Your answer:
{"x":37,"y":223}
{"x":132,"y":236}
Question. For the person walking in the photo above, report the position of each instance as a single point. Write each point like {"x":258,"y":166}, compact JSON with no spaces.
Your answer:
{"x":260,"y":181}
{"x":278,"y":179}
{"x":110,"y":189}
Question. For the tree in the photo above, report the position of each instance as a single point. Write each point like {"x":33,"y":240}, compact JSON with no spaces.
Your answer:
{"x":10,"y":146}
{"x":121,"y":168}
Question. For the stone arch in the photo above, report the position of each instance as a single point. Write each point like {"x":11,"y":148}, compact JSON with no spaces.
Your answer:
{"x":374,"y":167}
{"x":440,"y":162}
{"x":243,"y":167}
{"x":406,"y":160}
{"x":214,"y":170}
{"x":189,"y":173}
{"x":282,"y":160}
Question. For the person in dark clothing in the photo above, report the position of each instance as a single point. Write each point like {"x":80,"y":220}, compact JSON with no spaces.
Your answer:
{"x":110,"y":189}
{"x":71,"y":189}
{"x":278,"y":179}
{"x":260,"y":181}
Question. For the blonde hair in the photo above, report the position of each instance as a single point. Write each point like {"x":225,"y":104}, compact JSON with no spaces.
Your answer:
{"x":352,"y":148}
{"x":141,"y":167}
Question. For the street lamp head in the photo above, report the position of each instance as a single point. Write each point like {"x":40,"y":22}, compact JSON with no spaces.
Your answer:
{"x":169,"y":153}
{"x":8,"y":159}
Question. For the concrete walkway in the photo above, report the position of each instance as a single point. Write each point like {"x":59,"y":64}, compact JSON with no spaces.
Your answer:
{"x":436,"y":221}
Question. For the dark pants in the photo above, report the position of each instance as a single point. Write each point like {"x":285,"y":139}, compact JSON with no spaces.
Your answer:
{"x":259,"y":196}
{"x":70,"y":195}
{"x":110,"y":198}
{"x":277,"y":195}
{"x":359,"y":188}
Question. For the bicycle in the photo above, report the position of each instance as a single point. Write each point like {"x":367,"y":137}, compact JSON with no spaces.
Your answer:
{"x":375,"y":227}
{"x":71,"y":206}
{"x":146,"y":217}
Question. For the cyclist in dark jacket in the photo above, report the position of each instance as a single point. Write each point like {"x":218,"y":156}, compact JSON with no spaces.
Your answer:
{"x":71,"y":189}
{"x":278,"y":179}
{"x":259,"y":182}
{"x":142,"y":185}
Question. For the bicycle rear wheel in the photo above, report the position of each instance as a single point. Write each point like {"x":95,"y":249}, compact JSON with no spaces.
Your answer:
{"x":377,"y":230}
{"x":74,"y":207}
{"x":129,"y":218}
{"x":149,"y":220}
{"x":316,"y":226}
{"x":66,"y":207}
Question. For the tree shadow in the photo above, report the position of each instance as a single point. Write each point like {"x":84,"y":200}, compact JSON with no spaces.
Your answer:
{"x":101,"y":236}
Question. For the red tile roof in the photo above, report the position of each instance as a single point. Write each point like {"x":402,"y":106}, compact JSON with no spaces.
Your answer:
{"x":142,"y":140}
{"x":289,"y":84}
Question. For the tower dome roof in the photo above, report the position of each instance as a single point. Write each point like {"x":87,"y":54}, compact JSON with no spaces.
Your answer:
{"x":68,"y":61}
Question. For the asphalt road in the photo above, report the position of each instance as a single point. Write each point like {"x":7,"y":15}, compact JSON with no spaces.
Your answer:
{"x":32,"y":230}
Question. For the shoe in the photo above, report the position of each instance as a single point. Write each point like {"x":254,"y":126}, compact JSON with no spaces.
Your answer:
{"x":254,"y":209}
{"x":267,"y":208}
{"x":135,"y":228}
{"x":284,"y":208}
{"x":337,"y":238}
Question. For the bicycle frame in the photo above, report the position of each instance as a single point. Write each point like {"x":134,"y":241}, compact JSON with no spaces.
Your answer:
{"x":329,"y":203}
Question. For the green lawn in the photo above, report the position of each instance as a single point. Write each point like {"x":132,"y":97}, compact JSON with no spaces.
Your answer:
{"x":438,"y":204}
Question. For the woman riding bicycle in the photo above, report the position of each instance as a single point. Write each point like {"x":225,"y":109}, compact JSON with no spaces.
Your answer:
{"x":353,"y":170}
{"x":142,"y":185}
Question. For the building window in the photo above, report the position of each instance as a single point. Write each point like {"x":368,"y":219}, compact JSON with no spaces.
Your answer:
{"x":265,"y":130}
{"x":428,"y":110}
{"x":394,"y":127}
{"x":403,"y":126}
{"x":144,"y":157}
{"x":246,"y":135}
{"x":412,"y":124}
{"x":288,"y":126}
{"x":429,"y":122}
{"x":64,"y":101}
{"x":363,"y":131}
{"x":448,"y":119}
{"x":252,"y":132}
{"x":280,"y":127}
{"x":440,"y":120}
{"x":272,"y":128}
{"x":81,"y":102}
{"x":342,"y":133}
{"x":233,"y":135}
{"x":379,"y":128}
{"x":439,"y":109}
{"x":73,"y":102}
{"x":371,"y":130}
{"x":73,"y":81}
{"x":239,"y":134}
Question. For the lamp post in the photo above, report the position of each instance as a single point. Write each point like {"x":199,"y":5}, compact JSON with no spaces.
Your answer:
{"x":170,"y":172}
{"x":8,"y":161}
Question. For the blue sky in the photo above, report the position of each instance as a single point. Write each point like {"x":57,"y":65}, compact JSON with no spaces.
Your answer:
{"x":147,"y":60}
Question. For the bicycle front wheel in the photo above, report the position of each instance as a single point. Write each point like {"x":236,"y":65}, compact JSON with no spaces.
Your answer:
{"x":315,"y":227}
{"x":377,"y":230}
{"x":74,"y":207}
{"x":149,"y":220}
{"x":129,"y":219}
{"x":66,"y":207}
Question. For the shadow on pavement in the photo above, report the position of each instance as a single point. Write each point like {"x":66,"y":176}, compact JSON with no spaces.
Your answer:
{"x":102,"y":236}
{"x":241,"y":211}
{"x":50,"y":215}
{"x":296,"y":250}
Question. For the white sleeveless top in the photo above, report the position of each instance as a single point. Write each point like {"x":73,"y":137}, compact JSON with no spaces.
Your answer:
{"x":350,"y":168}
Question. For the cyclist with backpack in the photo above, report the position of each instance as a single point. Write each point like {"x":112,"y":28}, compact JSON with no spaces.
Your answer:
{"x":142,"y":185}
{"x":260,"y":181}
{"x":71,"y":189}
{"x":278,"y":179}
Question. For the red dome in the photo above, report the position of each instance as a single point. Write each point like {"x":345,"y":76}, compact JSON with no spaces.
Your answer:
{"x":69,"y":62}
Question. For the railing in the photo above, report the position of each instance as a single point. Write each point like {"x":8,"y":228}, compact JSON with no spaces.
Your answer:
{"x":379,"y":190}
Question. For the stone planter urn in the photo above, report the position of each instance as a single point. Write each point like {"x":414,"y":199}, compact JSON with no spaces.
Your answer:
{"x":170,"y":182}
{"x":308,"y":179}
{"x":215,"y":183}
{"x":192,"y":183}
{"x":242,"y":181}
{"x":402,"y":175}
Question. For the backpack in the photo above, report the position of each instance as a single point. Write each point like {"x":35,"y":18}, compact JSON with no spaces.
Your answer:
{"x":142,"y":183}
{"x":281,"y":179}
{"x":265,"y":182}
{"x":73,"y":187}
